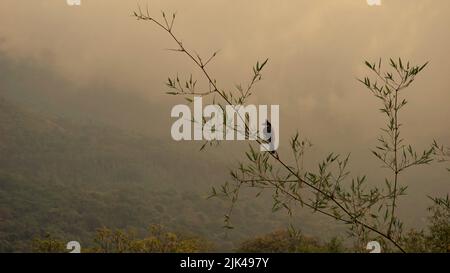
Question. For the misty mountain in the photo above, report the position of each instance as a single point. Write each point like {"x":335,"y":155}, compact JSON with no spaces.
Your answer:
{"x":68,"y":178}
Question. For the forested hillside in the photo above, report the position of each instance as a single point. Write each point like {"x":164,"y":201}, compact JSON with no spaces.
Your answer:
{"x":69,"y":179}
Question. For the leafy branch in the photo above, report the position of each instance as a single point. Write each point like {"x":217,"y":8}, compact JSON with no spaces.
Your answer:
{"x":329,"y":190}
{"x":392,"y":151}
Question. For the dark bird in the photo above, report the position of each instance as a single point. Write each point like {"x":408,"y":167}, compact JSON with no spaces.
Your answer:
{"x":268,"y":131}
{"x":268,"y":137}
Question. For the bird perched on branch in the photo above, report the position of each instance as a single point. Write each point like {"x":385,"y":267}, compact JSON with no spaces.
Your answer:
{"x":269,"y":137}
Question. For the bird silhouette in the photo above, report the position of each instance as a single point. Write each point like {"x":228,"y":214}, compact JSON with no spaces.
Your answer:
{"x":268,"y":137}
{"x":268,"y":131}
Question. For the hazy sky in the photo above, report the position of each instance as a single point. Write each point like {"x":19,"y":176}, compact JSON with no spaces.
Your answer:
{"x":316,"y":50}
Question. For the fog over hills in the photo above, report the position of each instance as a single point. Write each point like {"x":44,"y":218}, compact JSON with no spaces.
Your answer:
{"x":85,"y":122}
{"x":69,"y":178}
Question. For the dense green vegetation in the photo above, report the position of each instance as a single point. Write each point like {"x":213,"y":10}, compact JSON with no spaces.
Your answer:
{"x":289,"y":242}
{"x":156,"y":240}
{"x":69,"y":179}
{"x":159,"y":240}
